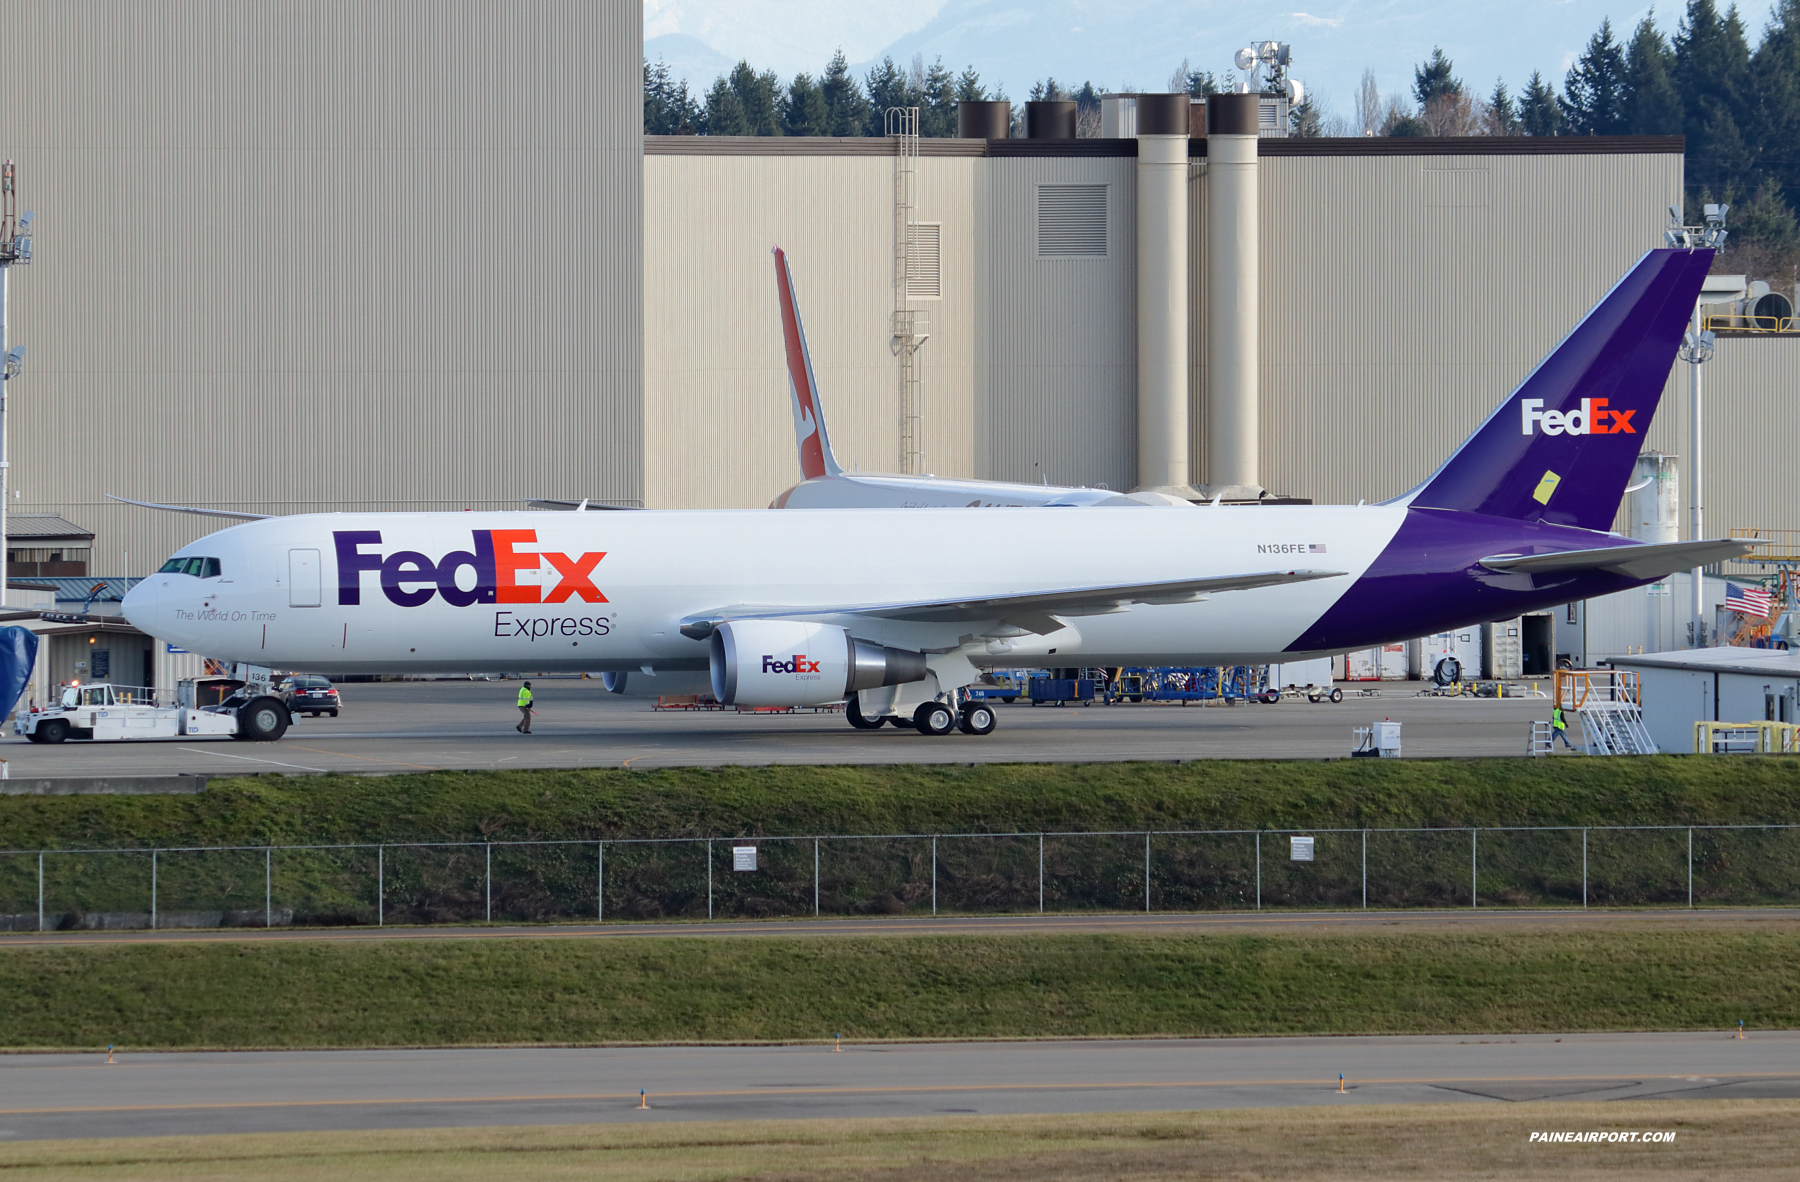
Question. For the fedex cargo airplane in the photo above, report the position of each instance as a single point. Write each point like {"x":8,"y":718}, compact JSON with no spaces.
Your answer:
{"x":827,"y":486}
{"x":899,"y":611}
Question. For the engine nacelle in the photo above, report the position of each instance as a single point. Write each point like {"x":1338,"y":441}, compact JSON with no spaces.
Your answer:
{"x":791,"y":663}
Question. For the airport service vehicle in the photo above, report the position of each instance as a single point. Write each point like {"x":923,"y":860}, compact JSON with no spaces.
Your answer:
{"x":827,"y":486}
{"x":205,"y":706}
{"x":311,"y":695}
{"x":900,"y":611}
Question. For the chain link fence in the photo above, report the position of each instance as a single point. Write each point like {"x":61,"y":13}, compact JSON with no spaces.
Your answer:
{"x":898,"y":874}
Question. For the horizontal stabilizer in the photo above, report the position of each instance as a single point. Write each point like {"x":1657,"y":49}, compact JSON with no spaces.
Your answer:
{"x":1032,"y":605}
{"x":231,"y":513}
{"x":1648,"y":561}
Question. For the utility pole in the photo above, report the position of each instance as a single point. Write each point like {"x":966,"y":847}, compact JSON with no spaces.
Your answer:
{"x":1697,"y":350}
{"x":15,"y":251}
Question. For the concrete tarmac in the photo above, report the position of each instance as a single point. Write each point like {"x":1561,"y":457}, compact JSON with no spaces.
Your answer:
{"x":143,"y":1094}
{"x":1436,"y":920}
{"x":415,"y":726}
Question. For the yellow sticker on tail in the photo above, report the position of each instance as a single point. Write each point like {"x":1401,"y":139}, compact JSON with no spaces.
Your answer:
{"x":1545,"y":487}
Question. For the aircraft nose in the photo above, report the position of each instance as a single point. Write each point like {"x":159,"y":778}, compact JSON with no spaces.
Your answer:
{"x":139,"y":604}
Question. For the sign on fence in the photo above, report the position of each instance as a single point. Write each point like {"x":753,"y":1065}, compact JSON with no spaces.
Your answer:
{"x":743,"y":857}
{"x":1300,"y":849}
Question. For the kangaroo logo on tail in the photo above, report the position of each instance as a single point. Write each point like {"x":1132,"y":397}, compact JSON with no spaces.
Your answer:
{"x":816,"y":459}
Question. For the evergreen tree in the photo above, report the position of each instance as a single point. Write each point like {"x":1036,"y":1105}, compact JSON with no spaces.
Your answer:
{"x":1593,"y":99}
{"x":1406,"y":125}
{"x":1434,"y":79}
{"x":1776,"y":125}
{"x":1502,"y":113}
{"x":937,"y":107}
{"x":758,"y":95}
{"x":668,"y":107}
{"x":888,"y":86}
{"x":724,"y":112}
{"x":1712,"y":75}
{"x":803,"y":108}
{"x":1047,"y":91}
{"x":1651,"y":104}
{"x":969,"y":88}
{"x":846,"y":107}
{"x":1539,"y":113}
{"x":1306,"y":121}
{"x":1201,"y":83}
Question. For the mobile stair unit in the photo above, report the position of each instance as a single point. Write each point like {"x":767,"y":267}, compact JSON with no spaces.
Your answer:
{"x":1609,"y":703}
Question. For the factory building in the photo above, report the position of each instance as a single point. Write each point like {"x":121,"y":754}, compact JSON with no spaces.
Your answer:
{"x":306,"y":257}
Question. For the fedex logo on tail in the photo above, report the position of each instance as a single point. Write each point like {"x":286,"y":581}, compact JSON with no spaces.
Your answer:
{"x":410,"y":579}
{"x":1592,"y":419}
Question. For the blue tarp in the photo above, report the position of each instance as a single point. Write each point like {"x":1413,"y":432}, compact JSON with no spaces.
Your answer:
{"x":18,"y":655}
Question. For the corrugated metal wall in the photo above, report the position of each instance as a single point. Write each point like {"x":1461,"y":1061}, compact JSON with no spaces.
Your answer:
{"x":1058,"y":350}
{"x":297,"y":256}
{"x":718,"y":424}
{"x":1751,"y":401}
{"x":1403,"y":297}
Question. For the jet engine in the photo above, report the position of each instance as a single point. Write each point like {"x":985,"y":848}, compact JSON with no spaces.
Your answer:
{"x":790,"y":663}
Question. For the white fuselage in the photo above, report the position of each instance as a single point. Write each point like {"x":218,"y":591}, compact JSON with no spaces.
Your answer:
{"x":277,"y":601}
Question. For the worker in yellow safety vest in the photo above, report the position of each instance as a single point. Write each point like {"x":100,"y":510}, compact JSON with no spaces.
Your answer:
{"x":1560,"y":726}
{"x":525,"y":711}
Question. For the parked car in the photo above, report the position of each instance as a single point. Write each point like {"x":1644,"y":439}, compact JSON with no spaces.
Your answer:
{"x":309,"y":693}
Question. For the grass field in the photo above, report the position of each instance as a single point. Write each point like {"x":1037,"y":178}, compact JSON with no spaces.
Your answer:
{"x":724,"y":802}
{"x":719,"y":989}
{"x":1753,"y":1139}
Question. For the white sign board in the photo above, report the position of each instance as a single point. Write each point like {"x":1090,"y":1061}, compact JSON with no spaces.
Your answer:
{"x":1300,"y":849}
{"x":743,"y":857}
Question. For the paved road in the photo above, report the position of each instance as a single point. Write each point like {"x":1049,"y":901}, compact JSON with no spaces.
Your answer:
{"x":56,"y":1096}
{"x":1154,"y":924}
{"x":404,"y":726}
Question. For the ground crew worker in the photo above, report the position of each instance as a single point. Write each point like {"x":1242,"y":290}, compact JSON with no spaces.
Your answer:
{"x":1559,"y":726}
{"x":524,"y":727}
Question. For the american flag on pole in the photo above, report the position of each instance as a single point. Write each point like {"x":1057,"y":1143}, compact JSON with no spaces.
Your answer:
{"x":1749,"y":601}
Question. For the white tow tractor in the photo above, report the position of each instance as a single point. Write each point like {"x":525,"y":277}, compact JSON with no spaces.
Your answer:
{"x":239,"y":707}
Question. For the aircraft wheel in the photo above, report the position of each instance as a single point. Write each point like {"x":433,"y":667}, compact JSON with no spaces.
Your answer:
{"x":53,"y":731}
{"x":264,"y":720}
{"x":898,"y":723}
{"x":977,"y":719}
{"x":853,"y":712}
{"x":934,"y":718}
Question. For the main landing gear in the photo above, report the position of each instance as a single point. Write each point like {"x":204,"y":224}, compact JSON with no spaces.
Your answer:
{"x":931,"y":718}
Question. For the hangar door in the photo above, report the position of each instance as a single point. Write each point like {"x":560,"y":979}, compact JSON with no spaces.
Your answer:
{"x":303,"y":578}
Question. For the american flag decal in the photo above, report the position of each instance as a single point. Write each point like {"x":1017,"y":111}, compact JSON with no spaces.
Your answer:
{"x":1749,"y":601}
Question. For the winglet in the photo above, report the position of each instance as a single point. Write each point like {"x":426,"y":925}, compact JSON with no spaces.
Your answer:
{"x":816,"y":459}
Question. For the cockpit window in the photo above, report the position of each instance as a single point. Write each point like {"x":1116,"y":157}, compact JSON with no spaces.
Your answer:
{"x":200,"y":568}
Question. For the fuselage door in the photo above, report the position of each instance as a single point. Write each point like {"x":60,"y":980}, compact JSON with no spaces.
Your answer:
{"x":303,"y":578}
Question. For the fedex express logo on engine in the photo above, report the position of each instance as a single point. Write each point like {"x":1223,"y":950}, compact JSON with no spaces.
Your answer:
{"x":494,"y":560}
{"x":1592,"y":419}
{"x":798,"y":663}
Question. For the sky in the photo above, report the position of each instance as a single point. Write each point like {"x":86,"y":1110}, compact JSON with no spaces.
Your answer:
{"x":1138,"y":44}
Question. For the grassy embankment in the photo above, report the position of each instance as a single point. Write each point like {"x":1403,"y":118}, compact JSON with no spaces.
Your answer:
{"x":335,"y":993}
{"x":1748,"y":1139}
{"x":984,"y":874}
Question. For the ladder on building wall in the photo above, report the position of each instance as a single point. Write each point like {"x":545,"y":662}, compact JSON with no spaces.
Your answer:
{"x":1616,"y":728}
{"x":901,"y":124}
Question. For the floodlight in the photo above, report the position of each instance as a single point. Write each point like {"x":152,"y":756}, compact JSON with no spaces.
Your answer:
{"x":1674,"y":215}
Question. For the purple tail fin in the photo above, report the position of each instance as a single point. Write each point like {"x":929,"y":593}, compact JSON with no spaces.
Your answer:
{"x":1561,"y":448}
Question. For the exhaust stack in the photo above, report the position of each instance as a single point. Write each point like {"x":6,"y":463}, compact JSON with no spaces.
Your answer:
{"x":1162,"y":257}
{"x":1231,"y":293}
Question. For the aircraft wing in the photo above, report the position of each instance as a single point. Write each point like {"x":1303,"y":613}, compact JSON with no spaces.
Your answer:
{"x":1032,"y":609}
{"x":233,"y":514}
{"x":1647,"y":561}
{"x":581,"y":506}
